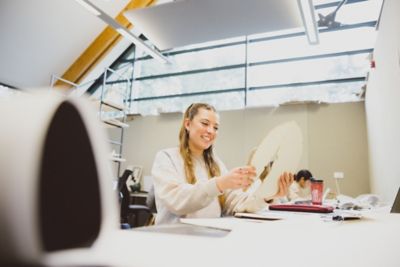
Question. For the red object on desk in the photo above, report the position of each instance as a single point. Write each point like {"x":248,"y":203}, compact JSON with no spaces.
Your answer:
{"x":302,"y":208}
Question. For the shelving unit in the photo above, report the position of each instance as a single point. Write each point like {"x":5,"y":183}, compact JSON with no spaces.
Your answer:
{"x":116,"y":123}
{"x":112,"y":111}
{"x":113,"y":105}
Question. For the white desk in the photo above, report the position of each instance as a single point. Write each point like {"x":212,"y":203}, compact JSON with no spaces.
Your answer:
{"x":306,"y":241}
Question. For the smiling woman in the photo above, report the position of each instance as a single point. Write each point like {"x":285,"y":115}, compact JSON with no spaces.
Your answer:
{"x":202,"y":129}
{"x":190,"y":181}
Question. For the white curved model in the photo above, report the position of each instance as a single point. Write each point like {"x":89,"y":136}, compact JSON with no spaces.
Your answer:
{"x":33,"y":181}
{"x":279,"y":151}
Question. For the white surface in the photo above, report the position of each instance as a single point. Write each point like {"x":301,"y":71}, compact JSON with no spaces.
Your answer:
{"x":370,"y":242}
{"x":45,"y":37}
{"x":20,"y":169}
{"x":186,"y":22}
{"x":382,"y":105}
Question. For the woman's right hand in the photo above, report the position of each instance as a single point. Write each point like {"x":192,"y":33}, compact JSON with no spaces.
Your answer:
{"x":284,"y":182}
{"x":240,"y":177}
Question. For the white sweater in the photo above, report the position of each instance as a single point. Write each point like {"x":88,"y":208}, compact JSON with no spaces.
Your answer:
{"x":296,"y":192}
{"x":175,"y":198}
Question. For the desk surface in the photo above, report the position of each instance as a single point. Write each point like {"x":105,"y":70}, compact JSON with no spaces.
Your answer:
{"x":186,"y":229}
{"x":303,"y":241}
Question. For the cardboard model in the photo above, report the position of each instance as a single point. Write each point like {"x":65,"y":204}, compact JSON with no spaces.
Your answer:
{"x":280,"y":151}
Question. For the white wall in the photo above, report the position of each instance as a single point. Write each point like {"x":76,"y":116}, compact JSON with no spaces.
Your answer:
{"x":334,"y":139}
{"x":382,"y":105}
{"x":338,"y":142}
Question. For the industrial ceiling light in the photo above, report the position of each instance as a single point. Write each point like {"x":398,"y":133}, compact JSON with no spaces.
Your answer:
{"x":308,"y":16}
{"x":122,"y":30}
{"x":329,"y":20}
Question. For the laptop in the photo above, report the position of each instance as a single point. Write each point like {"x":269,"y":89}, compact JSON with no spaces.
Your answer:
{"x":396,"y":203}
{"x":302,"y":208}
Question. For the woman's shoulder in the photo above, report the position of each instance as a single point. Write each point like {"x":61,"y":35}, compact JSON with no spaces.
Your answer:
{"x":170,"y":152}
{"x":168,"y":156}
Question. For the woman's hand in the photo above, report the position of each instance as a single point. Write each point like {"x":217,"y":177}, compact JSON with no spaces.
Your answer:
{"x":240,"y":177}
{"x":284,"y":182}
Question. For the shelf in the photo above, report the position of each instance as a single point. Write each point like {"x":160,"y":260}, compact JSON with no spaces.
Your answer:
{"x":118,"y":159}
{"x":115,"y":142}
{"x":116,"y":123}
{"x":112,"y":113}
{"x":113,"y":105}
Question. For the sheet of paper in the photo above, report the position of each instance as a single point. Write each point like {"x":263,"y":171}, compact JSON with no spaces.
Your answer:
{"x":228,"y":223}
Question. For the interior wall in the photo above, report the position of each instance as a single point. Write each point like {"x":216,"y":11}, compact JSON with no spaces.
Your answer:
{"x":243,"y":130}
{"x":334,"y":138}
{"x":382,"y":105}
{"x":338,"y":143}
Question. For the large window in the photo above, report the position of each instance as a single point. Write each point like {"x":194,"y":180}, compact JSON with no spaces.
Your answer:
{"x":265,"y":69}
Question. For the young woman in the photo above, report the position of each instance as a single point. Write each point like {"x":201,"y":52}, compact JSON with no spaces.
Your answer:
{"x":191,"y":182}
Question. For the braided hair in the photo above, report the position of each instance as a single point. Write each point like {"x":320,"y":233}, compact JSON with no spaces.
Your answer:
{"x":208,"y":155}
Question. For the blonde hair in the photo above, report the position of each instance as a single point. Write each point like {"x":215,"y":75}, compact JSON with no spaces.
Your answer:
{"x":208,"y":155}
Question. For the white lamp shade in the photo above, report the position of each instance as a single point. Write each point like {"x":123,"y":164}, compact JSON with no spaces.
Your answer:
{"x":55,"y":179}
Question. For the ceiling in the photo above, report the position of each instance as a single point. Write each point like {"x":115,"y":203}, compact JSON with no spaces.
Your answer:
{"x":187,"y":22}
{"x":44,"y":37}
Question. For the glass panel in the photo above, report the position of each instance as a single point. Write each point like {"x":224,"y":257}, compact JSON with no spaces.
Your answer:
{"x":116,"y":88}
{"x":183,"y":84}
{"x":309,"y":70}
{"x":326,"y":93}
{"x":123,"y":72}
{"x":201,"y":63}
{"x":116,"y":93}
{"x":348,"y":14}
{"x":352,"y":13}
{"x":221,"y":101}
{"x":110,"y":114}
{"x":118,"y":82}
{"x":216,"y":57}
{"x":330,"y":42}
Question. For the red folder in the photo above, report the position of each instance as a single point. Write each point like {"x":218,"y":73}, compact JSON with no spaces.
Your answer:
{"x":302,"y":208}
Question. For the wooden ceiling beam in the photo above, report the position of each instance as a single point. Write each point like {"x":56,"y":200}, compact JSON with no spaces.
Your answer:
{"x":103,"y":44}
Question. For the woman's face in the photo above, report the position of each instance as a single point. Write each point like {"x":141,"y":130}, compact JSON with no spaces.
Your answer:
{"x":202,"y":130}
{"x":303,"y":183}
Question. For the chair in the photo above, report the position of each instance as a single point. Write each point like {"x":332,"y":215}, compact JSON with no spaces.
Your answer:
{"x":151,"y":203}
{"x":131,"y":215}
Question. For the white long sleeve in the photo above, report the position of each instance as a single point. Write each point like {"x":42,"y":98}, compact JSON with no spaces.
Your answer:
{"x":298,"y":193}
{"x":175,"y":198}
